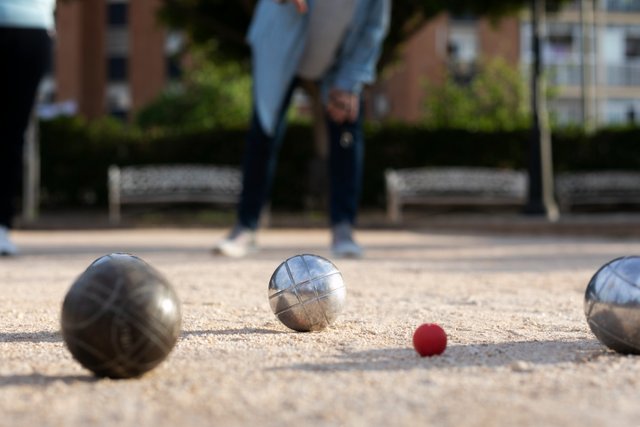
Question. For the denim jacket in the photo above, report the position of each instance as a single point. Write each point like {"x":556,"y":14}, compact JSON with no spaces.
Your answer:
{"x":27,"y":13}
{"x":277,"y":37}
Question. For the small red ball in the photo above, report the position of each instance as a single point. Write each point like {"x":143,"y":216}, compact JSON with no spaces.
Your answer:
{"x":429,"y":339}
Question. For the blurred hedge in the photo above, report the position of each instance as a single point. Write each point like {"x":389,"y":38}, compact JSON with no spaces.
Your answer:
{"x":76,"y":155}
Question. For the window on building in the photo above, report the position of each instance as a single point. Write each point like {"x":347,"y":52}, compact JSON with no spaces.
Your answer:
{"x":622,"y":5}
{"x":118,"y":98}
{"x":561,"y":43}
{"x":117,"y":14}
{"x":463,"y":41}
{"x":462,"y":50}
{"x":173,"y":46}
{"x":464,"y":17}
{"x":620,"y":111}
{"x":174,"y":70}
{"x":632,"y":47}
{"x":117,"y":68}
{"x":117,"y":41}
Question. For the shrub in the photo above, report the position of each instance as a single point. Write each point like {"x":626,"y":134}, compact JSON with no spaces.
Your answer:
{"x":76,"y":154}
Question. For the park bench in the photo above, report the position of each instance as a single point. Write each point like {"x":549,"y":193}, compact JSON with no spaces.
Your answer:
{"x":171,"y":184}
{"x":453,"y":186}
{"x":606,"y":187}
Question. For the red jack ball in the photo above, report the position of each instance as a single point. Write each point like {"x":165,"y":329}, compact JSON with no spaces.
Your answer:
{"x":429,"y":339}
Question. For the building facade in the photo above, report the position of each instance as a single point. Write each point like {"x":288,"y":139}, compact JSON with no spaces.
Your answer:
{"x":597,"y":76}
{"x":430,"y":55}
{"x":597,"y":81}
{"x":111,"y":56}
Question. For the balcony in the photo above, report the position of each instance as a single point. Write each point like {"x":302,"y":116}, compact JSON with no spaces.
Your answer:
{"x":624,"y":75}
{"x":622,"y":5}
{"x":564,"y":74}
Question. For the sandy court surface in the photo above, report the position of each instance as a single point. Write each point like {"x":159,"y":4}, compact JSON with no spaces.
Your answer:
{"x":520,"y":352}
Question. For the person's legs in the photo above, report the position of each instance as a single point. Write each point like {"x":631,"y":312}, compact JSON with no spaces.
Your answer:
{"x":346,"y":155}
{"x":259,"y":165}
{"x":25,"y":56}
{"x":258,"y":169}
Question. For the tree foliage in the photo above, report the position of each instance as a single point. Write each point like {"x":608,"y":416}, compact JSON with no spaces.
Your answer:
{"x":227,"y":21}
{"x":496,"y":99}
{"x":212,"y":94}
{"x":205,"y":20}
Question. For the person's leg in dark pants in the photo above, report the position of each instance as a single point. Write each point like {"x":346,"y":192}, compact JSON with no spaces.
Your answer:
{"x":346,"y":156}
{"x":259,"y":165}
{"x":258,"y":170}
{"x":25,"y":55}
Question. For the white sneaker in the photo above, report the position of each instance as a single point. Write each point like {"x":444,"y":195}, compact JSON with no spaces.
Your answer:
{"x":343,"y":245}
{"x":240,"y":242}
{"x":7,"y":248}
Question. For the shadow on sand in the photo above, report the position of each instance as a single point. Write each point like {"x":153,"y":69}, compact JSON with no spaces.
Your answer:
{"x":522,"y":356}
{"x":44,"y":380}
{"x":35,"y":337}
{"x":240,"y":331}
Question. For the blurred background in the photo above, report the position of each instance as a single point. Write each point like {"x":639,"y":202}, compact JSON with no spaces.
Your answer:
{"x":167,"y":82}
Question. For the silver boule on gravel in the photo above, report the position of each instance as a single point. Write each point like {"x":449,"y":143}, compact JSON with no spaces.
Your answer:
{"x":612,"y":304}
{"x":307,"y":293}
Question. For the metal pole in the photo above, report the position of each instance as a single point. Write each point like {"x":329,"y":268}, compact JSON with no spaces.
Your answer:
{"x":540,"y":197}
{"x":587,"y":23}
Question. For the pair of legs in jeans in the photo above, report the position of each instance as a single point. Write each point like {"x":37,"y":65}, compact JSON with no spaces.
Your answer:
{"x":25,"y":56}
{"x":345,"y":172}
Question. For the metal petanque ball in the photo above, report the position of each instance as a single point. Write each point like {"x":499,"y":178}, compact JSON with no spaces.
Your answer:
{"x":121,"y":317}
{"x":612,"y":304}
{"x":307,"y":293}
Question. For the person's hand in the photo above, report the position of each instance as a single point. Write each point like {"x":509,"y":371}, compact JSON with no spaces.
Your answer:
{"x":343,"y":106}
{"x":301,"y":5}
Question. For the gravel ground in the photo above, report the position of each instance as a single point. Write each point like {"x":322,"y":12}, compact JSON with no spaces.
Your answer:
{"x":520,"y":352}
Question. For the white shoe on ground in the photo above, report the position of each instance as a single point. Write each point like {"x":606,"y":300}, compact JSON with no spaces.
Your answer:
{"x":240,"y":242}
{"x":343,"y":245}
{"x":7,"y":248}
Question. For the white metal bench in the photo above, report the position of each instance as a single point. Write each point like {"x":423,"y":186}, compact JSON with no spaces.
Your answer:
{"x":607,"y":187}
{"x":171,"y":184}
{"x":453,"y":186}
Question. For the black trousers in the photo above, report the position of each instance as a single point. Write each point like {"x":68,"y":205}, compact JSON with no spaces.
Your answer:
{"x":260,"y":158}
{"x":24,"y":57}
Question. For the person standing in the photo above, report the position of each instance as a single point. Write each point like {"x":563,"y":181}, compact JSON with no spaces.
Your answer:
{"x":25,"y":49}
{"x":336,"y":45}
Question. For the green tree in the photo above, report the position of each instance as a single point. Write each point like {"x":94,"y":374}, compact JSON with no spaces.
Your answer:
{"x":494,"y":100}
{"x":227,"y":21}
{"x":211,"y":94}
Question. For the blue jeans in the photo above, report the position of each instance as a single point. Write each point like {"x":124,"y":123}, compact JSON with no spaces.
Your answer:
{"x":261,"y":155}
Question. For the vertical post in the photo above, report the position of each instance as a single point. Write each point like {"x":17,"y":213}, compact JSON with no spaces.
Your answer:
{"x":540,"y":196}
{"x":115,"y":186}
{"x":31,"y":174}
{"x":599,"y":27}
{"x":587,"y":23}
